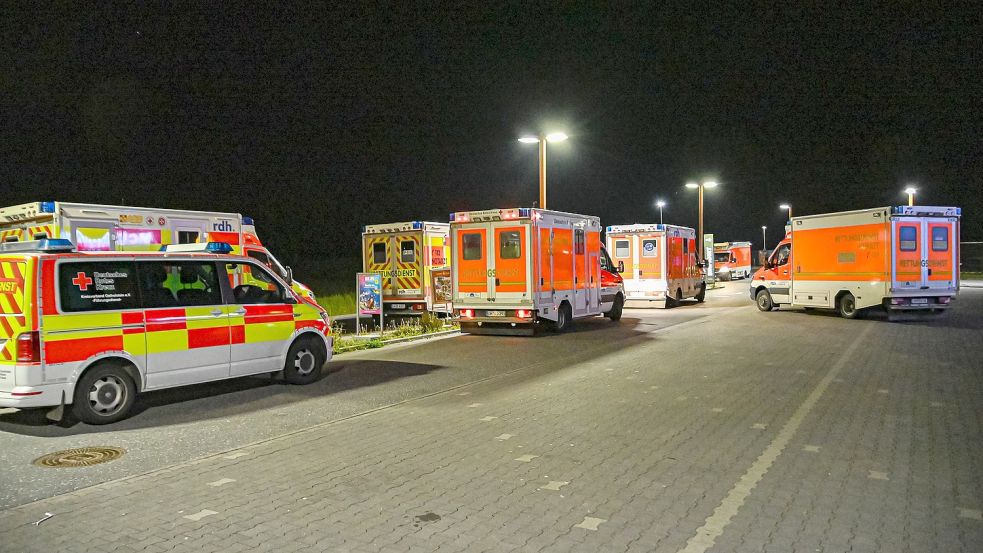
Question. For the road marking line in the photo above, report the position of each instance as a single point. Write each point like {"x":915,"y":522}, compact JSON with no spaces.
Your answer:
{"x":526,"y":458}
{"x":464,"y":394}
{"x":473,"y":405}
{"x":882,"y":391}
{"x":974,"y":514}
{"x":487,"y":419}
{"x":717,"y":409}
{"x":221,"y":482}
{"x":503,"y":437}
{"x":200,"y":515}
{"x":714,"y":526}
{"x":759,"y":426}
{"x":681,"y":398}
{"x":811,"y":448}
{"x":236,"y":455}
{"x":590,"y":523}
{"x":877,"y":475}
{"x":554,"y":486}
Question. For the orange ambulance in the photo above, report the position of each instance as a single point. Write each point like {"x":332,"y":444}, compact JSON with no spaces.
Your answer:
{"x":658,"y":262}
{"x":732,"y":260}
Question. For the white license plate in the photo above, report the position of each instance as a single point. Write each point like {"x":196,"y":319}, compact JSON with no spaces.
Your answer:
{"x":397,"y":305}
{"x":919,"y":301}
{"x":495,"y":313}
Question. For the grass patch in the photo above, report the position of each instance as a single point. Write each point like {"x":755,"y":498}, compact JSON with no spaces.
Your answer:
{"x":337,"y":304}
{"x":971,"y":276}
{"x":426,"y":324}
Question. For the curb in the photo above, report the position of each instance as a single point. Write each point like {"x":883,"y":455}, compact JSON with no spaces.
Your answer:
{"x":407,"y":339}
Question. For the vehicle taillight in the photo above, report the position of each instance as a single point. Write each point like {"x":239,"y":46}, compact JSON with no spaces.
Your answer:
{"x":418,"y":307}
{"x":523,"y":313}
{"x":944,"y":300}
{"x":29,"y":347}
{"x":467,"y":313}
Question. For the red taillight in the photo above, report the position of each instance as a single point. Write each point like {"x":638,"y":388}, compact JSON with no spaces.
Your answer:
{"x":418,"y":307}
{"x":29,"y":348}
{"x":944,"y":300}
{"x":467,"y":313}
{"x":523,"y":313}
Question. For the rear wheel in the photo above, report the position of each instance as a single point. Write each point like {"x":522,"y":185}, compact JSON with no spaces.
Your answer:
{"x":304,"y":361}
{"x":616,"y":309}
{"x":702,"y":294}
{"x":763,"y":300}
{"x":847,"y":306}
{"x":104,"y":394}
{"x":563,"y":316}
{"x":677,"y":300}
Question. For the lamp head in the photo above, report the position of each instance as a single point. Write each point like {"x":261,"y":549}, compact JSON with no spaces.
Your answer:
{"x":660,"y":203}
{"x":710,"y":184}
{"x":910,"y":190}
{"x":556,"y":137}
{"x":529,"y":139}
{"x":785,"y":206}
{"x":692,"y":185}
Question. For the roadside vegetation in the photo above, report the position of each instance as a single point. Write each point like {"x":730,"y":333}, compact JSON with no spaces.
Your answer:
{"x":970,"y":276}
{"x":405,"y":328}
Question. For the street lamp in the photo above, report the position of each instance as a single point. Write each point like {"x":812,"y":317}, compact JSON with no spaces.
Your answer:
{"x":700,"y":187}
{"x":787,"y":207}
{"x":764,"y":239}
{"x":660,"y":204}
{"x":910,"y":191}
{"x":542,"y":140}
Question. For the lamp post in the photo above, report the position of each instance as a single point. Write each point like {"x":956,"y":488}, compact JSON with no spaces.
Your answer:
{"x":764,"y":239}
{"x":660,"y":204}
{"x":700,"y":187}
{"x":788,"y":208}
{"x":542,"y":139}
{"x":910,"y":191}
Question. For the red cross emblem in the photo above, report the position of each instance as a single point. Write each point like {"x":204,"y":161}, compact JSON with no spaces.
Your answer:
{"x":82,"y":281}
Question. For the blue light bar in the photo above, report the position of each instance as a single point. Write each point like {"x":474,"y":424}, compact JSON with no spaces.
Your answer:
{"x":417,"y":225}
{"x":524,"y":211}
{"x":47,"y":207}
{"x":45,"y":245}
{"x":198,"y":247}
{"x":247,"y":221}
{"x":452,"y":217}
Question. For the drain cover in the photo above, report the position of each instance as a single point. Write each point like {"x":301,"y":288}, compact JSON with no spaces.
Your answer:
{"x":80,"y":457}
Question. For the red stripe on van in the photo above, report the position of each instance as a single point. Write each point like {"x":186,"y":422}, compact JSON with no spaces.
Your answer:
{"x":64,"y":351}
{"x":208,"y":337}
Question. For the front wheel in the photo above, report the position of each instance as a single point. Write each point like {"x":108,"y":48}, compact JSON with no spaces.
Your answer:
{"x":304,"y":361}
{"x":847,"y":306}
{"x":104,"y":395}
{"x":616,"y":309}
{"x":702,"y":294}
{"x":763,"y":300}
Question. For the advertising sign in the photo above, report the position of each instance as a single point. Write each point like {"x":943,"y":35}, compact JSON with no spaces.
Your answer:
{"x":368,"y":290}
{"x":711,"y":272}
{"x":441,"y":287}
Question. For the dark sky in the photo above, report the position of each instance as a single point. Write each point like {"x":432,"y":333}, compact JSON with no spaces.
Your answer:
{"x":316,"y":121}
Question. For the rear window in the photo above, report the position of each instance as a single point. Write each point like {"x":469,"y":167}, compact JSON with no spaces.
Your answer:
{"x":621,"y":248}
{"x":407,"y":251}
{"x":97,"y":286}
{"x":12,"y":292}
{"x":379,"y":252}
{"x":510,"y":244}
{"x":649,"y":247}
{"x":940,"y":239}
{"x":908,"y":238}
{"x":472,"y":246}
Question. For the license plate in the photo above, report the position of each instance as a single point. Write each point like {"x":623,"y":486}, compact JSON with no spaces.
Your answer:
{"x":397,"y":305}
{"x":495,"y":313}
{"x":919,"y":301}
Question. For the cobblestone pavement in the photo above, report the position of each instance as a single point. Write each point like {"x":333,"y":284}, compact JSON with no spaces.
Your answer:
{"x":737,"y":431}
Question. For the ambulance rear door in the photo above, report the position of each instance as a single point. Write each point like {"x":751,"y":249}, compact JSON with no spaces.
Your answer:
{"x":407,"y":265}
{"x":924,"y":256}
{"x":377,"y":258}
{"x":470,"y":269}
{"x":510,"y":263}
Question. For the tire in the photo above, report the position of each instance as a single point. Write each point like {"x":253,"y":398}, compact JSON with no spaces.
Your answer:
{"x":677,"y":300}
{"x":563,"y":316}
{"x":305,"y":359}
{"x":702,"y":294}
{"x":725,"y":277}
{"x":763,"y":300}
{"x":616,"y":309}
{"x":104,"y":394}
{"x":846,"y":306}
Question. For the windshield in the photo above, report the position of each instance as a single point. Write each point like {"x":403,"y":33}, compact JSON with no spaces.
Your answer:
{"x":721,"y":257}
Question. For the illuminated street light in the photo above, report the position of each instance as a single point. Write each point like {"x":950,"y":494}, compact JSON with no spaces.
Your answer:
{"x":660,"y":204}
{"x":764,"y":239}
{"x":910,"y":191}
{"x":700,"y":187}
{"x":788,"y":208}
{"x":542,"y":140}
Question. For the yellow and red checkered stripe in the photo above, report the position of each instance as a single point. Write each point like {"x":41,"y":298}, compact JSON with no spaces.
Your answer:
{"x":13,"y":319}
{"x":27,"y":233}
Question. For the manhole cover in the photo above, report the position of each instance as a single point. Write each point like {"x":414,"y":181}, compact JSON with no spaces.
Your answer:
{"x":80,"y":457}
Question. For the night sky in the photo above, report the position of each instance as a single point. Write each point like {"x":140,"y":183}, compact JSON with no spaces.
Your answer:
{"x":318,"y":121}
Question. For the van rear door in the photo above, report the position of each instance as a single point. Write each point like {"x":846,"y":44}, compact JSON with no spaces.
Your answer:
{"x":910,"y":263}
{"x":511,"y":271}
{"x":471,"y":260}
{"x":940,"y":237}
{"x":376,"y":250}
{"x":407,"y":267}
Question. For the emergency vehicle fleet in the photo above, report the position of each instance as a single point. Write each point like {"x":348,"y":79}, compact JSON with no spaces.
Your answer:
{"x":898,"y":258}
{"x":94,"y":329}
{"x":93,"y":227}
{"x":515,"y":269}
{"x":406,"y":254}
{"x":732,"y":260}
{"x":658,"y":262}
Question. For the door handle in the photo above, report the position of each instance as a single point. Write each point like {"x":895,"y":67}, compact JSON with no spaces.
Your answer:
{"x":239,"y":312}
{"x":498,"y":282}
{"x":217,"y":312}
{"x":297,"y":314}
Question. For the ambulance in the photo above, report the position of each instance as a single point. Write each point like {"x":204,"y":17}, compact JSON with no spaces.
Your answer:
{"x":94,"y":329}
{"x":732,"y":260}
{"x":896,"y":258}
{"x":407,"y":254}
{"x":517,"y":269}
{"x":658,"y":262}
{"x":93,"y":227}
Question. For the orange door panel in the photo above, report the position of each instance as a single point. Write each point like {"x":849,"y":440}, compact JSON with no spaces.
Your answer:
{"x":650,"y":256}
{"x":563,"y":259}
{"x":510,"y":259}
{"x":545,"y":282}
{"x":472,"y":265}
{"x":908,"y":251}
{"x":621,"y":254}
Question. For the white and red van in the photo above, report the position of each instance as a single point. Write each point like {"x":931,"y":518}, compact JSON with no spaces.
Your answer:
{"x":732,"y":260}
{"x":658,"y":262}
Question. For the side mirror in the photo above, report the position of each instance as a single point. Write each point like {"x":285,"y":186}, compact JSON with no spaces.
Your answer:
{"x":290,"y":275}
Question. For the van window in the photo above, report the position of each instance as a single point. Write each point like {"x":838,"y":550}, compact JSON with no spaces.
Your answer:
{"x":686,"y":245}
{"x":940,"y":239}
{"x":178,"y":283}
{"x":579,"y":242}
{"x":97,"y":286}
{"x":621,"y":248}
{"x":780,"y":256}
{"x":187,"y":236}
{"x":407,"y":251}
{"x":379,"y":253}
{"x":509,"y":244}
{"x":270,"y":262}
{"x":649,"y":247}
{"x":261,"y":287}
{"x":909,"y":238}
{"x":12,"y":286}
{"x":472,"y":246}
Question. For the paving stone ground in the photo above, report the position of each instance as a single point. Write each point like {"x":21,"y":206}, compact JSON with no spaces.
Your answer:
{"x":783,"y":431}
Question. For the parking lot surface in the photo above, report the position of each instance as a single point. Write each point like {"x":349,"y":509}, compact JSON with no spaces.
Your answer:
{"x":710,"y":427}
